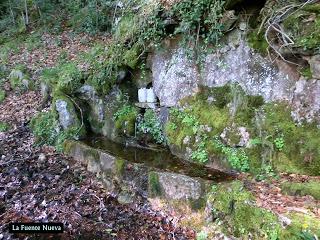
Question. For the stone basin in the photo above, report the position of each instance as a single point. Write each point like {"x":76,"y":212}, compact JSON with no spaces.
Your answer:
{"x":150,"y":173}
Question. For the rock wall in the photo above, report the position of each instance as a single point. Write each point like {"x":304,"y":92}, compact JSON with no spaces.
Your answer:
{"x":176,"y":75}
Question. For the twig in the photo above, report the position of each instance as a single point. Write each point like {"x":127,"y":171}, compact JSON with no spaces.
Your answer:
{"x":273,"y":23}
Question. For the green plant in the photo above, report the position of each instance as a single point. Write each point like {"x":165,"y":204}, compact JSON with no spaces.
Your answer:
{"x":266,"y":171}
{"x":202,"y":235}
{"x":4,"y":126}
{"x":2,"y":95}
{"x":47,"y":130}
{"x":279,"y":143}
{"x":69,"y":78}
{"x":151,"y":124}
{"x":307,"y":235}
{"x":91,"y":16}
{"x":237,"y":158}
{"x":125,"y":118}
{"x":200,"y":154}
{"x":199,"y":18}
{"x":45,"y":127}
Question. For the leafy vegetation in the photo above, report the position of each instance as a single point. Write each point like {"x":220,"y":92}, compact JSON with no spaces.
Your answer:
{"x":237,"y":158}
{"x":46,"y":128}
{"x":311,"y":188}
{"x":4,"y":126}
{"x":125,"y":119}
{"x":2,"y":95}
{"x":150,"y":124}
{"x":306,"y":35}
{"x":235,"y":207}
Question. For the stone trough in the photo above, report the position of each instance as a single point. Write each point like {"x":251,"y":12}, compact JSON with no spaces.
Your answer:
{"x":133,"y":172}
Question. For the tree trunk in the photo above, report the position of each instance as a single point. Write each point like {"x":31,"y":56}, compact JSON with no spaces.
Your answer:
{"x":26,"y":13}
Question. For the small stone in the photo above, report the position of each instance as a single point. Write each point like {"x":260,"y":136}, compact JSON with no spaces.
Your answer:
{"x":125,"y":197}
{"x":42,"y":157}
{"x":243,"y":26}
{"x":186,"y":140}
{"x":284,"y":221}
{"x":66,"y":118}
{"x":315,"y":66}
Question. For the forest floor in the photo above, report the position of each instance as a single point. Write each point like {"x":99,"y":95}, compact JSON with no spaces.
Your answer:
{"x":39,"y":184}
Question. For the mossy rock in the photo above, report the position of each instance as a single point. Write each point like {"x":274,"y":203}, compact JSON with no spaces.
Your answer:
{"x":301,"y":143}
{"x":131,"y":57}
{"x":257,"y":41}
{"x":73,"y":119}
{"x":20,"y":80}
{"x":311,"y":188}
{"x":303,"y":26}
{"x":210,"y":110}
{"x":69,"y":79}
{"x":235,"y":206}
{"x":47,"y":130}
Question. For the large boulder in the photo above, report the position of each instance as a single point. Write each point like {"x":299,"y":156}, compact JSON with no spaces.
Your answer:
{"x":68,"y":117}
{"x":176,"y":75}
{"x":306,"y":100}
{"x":175,"y":186}
{"x":255,"y":74}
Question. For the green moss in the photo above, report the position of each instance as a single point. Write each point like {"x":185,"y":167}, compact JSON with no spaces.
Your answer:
{"x":302,"y":225}
{"x":4,"y":126}
{"x":69,"y":78}
{"x":235,"y":206}
{"x":301,"y":143}
{"x":131,"y":57}
{"x":50,"y":76}
{"x":306,"y":72}
{"x":306,"y":34}
{"x":311,"y":188}
{"x":125,"y":118}
{"x":127,"y":28}
{"x":2,"y":95}
{"x":119,"y":166}
{"x":65,"y":77}
{"x":154,"y":187}
{"x":257,"y":41}
{"x":47,"y":130}
{"x":209,"y":109}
